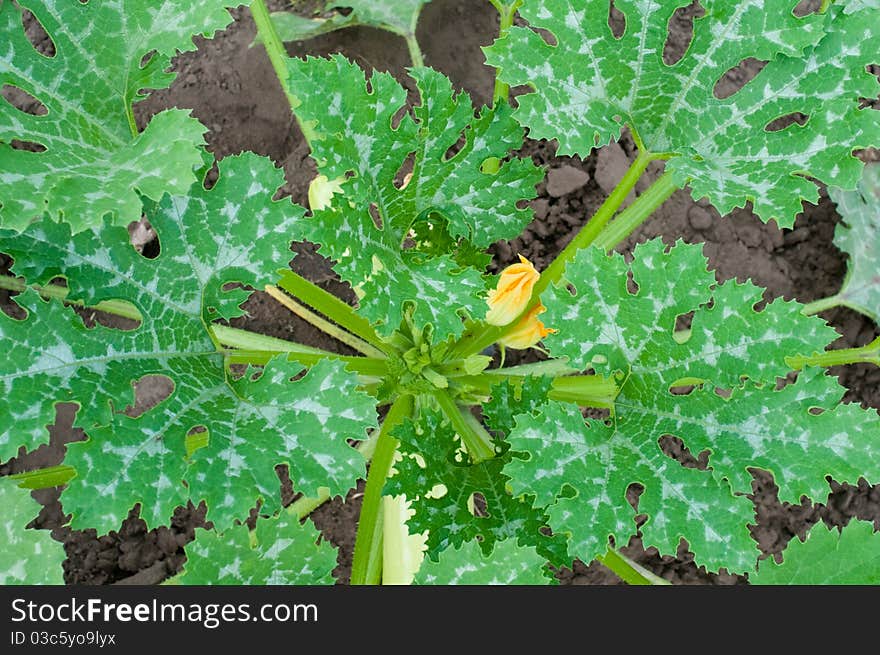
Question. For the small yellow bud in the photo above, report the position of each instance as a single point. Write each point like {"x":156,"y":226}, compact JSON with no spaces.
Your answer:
{"x":529,"y":331}
{"x":321,"y":192}
{"x":513,"y":292}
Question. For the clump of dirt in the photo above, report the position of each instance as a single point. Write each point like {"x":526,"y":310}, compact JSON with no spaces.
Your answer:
{"x":232,"y":89}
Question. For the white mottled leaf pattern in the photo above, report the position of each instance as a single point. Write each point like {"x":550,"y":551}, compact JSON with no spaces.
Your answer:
{"x":428,"y":445}
{"x":233,"y":233}
{"x":351,"y":130}
{"x":93,"y":165}
{"x":749,"y":423}
{"x":29,"y":556}
{"x":859,"y":236}
{"x":591,"y":83}
{"x":507,"y":564}
{"x":280,"y":551}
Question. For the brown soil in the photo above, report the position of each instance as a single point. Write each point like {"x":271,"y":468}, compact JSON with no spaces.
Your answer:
{"x":232,"y":89}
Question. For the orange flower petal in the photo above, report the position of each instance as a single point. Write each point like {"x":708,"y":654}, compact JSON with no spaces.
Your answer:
{"x":512,"y":293}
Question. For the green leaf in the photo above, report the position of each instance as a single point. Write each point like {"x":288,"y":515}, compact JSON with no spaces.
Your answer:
{"x":280,"y":551}
{"x":93,"y":164}
{"x":398,"y":16}
{"x":507,"y":564}
{"x":510,"y":399}
{"x":859,"y":237}
{"x":431,"y":458}
{"x":292,"y":27}
{"x":827,"y":557}
{"x":581,"y":472}
{"x":233,"y":233}
{"x":590,"y":84}
{"x":29,"y":556}
{"x":851,"y":6}
{"x":581,"y":469}
{"x":350,"y":130}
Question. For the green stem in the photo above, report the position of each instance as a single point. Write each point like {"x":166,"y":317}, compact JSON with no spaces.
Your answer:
{"x":869,"y":354}
{"x":331,"y":307}
{"x":557,"y":366}
{"x":583,"y":390}
{"x":596,"y":224}
{"x":274,"y":46}
{"x":824,"y":6}
{"x":304,"y":506}
{"x":323,"y":324}
{"x":474,"y":436}
{"x":629,"y":571}
{"x":366,"y":567}
{"x":415,"y":52}
{"x":506,"y":14}
{"x":254,"y":348}
{"x":129,"y":114}
{"x":119,"y":308}
{"x":821,"y":305}
{"x":637,"y":213}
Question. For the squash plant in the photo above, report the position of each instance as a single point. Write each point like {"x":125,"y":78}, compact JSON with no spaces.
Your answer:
{"x":491,"y":472}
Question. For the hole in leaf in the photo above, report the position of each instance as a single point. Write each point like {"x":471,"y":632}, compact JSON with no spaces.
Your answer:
{"x":149,"y":392}
{"x":616,"y":21}
{"x":374,"y":214}
{"x":23,"y":101}
{"x":211,"y":176}
{"x":490,"y":166}
{"x":197,"y":438}
{"x":546,"y":35}
{"x":816,"y":411}
{"x":404,"y":173}
{"x":633,"y":491}
{"x":478,"y":505}
{"x":681,"y":388}
{"x":299,"y":376}
{"x":7,"y":303}
{"x":596,"y":414}
{"x":456,"y":147}
{"x":779,"y":124}
{"x":568,"y":491}
{"x":737,"y":77}
{"x":437,"y":491}
{"x":806,"y":7}
{"x":123,"y":315}
{"x":674,"y":448}
{"x":791,"y":378}
{"x":29,"y":146}
{"x":37,"y":34}
{"x":681,"y":332}
{"x":723,"y":393}
{"x":145,"y":60}
{"x":144,"y":238}
{"x":132,"y":321}
{"x":571,"y":289}
{"x":631,"y":284}
{"x":398,"y":116}
{"x":680,"y":32}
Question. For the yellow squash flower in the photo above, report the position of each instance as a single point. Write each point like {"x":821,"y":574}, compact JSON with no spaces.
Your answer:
{"x":529,"y":331}
{"x":512,"y":295}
